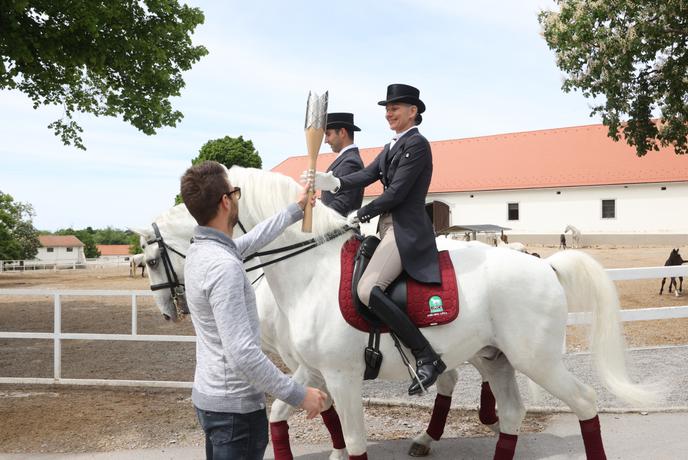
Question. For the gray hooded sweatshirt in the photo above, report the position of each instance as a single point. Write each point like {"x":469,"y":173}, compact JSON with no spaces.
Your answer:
{"x":232,"y":372}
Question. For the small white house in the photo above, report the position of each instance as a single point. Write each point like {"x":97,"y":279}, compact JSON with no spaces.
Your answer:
{"x":60,"y":250}
{"x":114,"y":253}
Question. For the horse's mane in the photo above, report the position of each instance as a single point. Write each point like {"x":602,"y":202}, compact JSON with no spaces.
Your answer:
{"x":175,"y":223}
{"x":265,"y":193}
{"x":174,"y":214}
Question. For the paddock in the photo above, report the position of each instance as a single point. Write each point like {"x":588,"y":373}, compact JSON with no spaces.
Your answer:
{"x":95,"y":419}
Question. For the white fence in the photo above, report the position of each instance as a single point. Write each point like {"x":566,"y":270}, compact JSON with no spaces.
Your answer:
{"x":57,"y":335}
{"x":31,"y":265}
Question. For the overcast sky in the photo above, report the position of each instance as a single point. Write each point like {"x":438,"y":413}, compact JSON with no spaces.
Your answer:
{"x":482,"y":68}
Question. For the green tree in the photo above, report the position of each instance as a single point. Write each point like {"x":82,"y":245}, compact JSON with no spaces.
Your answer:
{"x":116,"y":58}
{"x":631,"y":58}
{"x":18,"y":237}
{"x":229,"y":151}
{"x":134,"y":243}
{"x":86,"y":236}
{"x":110,"y":235}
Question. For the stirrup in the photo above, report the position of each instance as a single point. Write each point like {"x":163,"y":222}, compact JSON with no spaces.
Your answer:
{"x":411,"y":370}
{"x":414,"y":377}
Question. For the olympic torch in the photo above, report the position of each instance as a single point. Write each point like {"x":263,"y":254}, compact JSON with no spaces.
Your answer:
{"x":316,"y":120}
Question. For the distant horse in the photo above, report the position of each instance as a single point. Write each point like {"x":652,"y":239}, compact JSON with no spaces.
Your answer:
{"x":137,"y":261}
{"x":516,"y":246}
{"x":562,"y":241}
{"x":674,"y":259}
{"x":575,"y":236}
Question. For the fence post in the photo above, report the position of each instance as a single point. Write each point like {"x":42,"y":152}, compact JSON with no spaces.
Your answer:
{"x":134,"y":314}
{"x":57,"y":341}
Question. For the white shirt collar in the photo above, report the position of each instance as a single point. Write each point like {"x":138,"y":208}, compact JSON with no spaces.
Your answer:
{"x":398,"y":136}
{"x":348,"y":147}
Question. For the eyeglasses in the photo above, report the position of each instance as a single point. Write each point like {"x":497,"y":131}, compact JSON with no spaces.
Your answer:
{"x":236,"y":190}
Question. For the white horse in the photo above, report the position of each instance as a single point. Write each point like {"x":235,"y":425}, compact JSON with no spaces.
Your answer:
{"x":176,"y":229}
{"x":516,"y":246}
{"x":575,"y":235}
{"x":137,"y":261}
{"x":509,"y":301}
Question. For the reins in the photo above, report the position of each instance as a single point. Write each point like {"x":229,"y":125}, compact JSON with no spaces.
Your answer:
{"x":304,"y":245}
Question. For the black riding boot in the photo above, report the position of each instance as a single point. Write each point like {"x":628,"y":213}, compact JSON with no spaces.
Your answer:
{"x":428,"y":363}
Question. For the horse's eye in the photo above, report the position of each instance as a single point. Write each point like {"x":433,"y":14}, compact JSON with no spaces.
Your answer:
{"x":152,"y":263}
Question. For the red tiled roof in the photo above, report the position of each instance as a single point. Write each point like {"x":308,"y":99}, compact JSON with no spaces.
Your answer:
{"x":113,"y":249}
{"x":59,"y":241}
{"x":561,"y":157}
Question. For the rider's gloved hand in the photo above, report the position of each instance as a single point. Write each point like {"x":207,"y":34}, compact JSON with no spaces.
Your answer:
{"x":352,"y":219}
{"x":322,"y":181}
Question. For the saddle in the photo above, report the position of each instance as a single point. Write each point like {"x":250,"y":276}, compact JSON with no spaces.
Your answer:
{"x":426,"y":304}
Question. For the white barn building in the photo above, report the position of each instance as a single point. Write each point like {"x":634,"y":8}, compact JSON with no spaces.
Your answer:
{"x":60,"y":250}
{"x":538,"y":182}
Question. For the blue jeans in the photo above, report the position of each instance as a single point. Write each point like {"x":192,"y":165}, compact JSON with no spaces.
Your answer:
{"x":230,"y":436}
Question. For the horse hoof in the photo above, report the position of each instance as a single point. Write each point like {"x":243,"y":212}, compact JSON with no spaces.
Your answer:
{"x":418,"y":450}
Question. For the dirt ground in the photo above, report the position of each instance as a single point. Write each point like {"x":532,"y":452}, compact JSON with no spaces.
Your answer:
{"x":99,"y":419}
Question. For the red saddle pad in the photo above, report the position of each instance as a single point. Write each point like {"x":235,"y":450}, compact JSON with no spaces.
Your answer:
{"x":428,"y":304}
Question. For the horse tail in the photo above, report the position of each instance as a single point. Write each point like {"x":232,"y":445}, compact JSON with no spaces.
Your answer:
{"x":588,"y":287}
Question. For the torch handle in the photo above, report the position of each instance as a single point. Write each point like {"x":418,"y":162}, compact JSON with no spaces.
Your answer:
{"x":307,"y":224}
{"x":314,"y":137}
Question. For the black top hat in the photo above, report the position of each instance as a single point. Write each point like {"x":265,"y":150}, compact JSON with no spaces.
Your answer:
{"x":399,"y":92}
{"x":341,"y":120}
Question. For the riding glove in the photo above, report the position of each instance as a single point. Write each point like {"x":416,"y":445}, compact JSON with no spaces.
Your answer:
{"x":322,"y":181}
{"x":352,"y":219}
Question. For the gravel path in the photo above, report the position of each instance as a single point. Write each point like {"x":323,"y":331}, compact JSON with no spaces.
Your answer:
{"x":663,"y":366}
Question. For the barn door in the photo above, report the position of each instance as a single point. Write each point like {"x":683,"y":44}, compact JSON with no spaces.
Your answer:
{"x":439,"y":215}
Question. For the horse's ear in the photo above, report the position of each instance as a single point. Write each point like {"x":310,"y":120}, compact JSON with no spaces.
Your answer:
{"x":141,"y":232}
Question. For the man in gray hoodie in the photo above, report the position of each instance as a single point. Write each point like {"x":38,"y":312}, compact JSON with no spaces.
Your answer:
{"x":232,"y":372}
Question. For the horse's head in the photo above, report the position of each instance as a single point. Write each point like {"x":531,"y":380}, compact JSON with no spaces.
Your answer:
{"x":675,"y":258}
{"x":164,"y":253}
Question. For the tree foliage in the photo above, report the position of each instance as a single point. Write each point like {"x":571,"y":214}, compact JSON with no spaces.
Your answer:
{"x":115,"y":58}
{"x":18,"y":237}
{"x":633,"y":54}
{"x":229,"y":151}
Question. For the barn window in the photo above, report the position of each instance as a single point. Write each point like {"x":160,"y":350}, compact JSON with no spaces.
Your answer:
{"x":70,"y":249}
{"x":51,"y":249}
{"x":608,"y":209}
{"x":512,"y":211}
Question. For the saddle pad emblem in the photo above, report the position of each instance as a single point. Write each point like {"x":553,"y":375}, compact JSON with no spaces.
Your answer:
{"x":435,"y":304}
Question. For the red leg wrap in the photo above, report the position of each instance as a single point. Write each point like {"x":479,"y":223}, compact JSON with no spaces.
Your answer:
{"x":506,"y":446}
{"x":439,"y":416}
{"x":487,"y":413}
{"x":363,"y":456}
{"x":279,"y":433}
{"x":334,"y":426}
{"x":592,"y":438}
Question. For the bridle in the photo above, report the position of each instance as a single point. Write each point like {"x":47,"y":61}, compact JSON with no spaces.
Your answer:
{"x":173,"y":284}
{"x":177,"y":288}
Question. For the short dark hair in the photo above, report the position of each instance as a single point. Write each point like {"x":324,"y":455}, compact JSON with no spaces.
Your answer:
{"x":202,"y":187}
{"x":349,"y":131}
